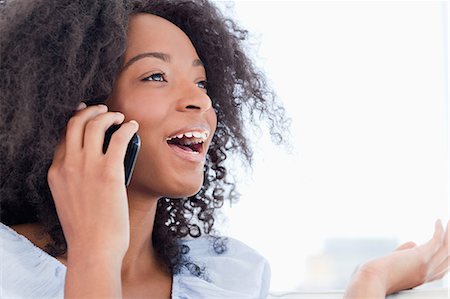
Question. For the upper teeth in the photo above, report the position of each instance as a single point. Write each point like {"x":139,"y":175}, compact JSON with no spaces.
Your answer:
{"x":200,"y":135}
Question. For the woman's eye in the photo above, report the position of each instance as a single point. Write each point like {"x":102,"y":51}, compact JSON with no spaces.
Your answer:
{"x":203,"y":84}
{"x":159,"y":77}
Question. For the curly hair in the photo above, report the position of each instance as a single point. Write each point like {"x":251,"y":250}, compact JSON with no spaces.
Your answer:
{"x":55,"y":53}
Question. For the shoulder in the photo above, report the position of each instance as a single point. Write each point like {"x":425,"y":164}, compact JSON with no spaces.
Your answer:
{"x":33,"y":232}
{"x":16,"y":237}
{"x":26,"y":268}
{"x":232,"y":269}
{"x":234,"y":253}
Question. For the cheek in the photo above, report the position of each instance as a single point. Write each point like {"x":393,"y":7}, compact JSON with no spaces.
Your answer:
{"x":212,"y":120}
{"x":136,"y":101}
{"x":158,"y":173}
{"x":149,"y":114}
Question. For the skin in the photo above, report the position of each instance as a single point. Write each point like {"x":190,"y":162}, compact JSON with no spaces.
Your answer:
{"x":108,"y":227}
{"x":103,"y":221}
{"x":407,"y":267}
{"x":164,"y":97}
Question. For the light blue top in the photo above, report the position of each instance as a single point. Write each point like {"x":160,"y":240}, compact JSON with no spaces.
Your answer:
{"x":26,"y":271}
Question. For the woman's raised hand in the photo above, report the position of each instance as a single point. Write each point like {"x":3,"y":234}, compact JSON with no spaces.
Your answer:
{"x":88,"y":185}
{"x":407,"y":267}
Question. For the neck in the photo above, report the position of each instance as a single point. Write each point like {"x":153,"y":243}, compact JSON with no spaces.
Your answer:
{"x":140,"y":259}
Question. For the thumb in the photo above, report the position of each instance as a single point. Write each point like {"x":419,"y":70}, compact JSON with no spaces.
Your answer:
{"x":407,"y":245}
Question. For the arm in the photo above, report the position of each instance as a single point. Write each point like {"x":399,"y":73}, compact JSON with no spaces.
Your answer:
{"x":407,"y":267}
{"x":89,"y":274}
{"x":88,"y":189}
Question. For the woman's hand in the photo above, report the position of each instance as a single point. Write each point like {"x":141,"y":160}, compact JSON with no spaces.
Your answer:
{"x":407,"y":267}
{"x":88,"y":186}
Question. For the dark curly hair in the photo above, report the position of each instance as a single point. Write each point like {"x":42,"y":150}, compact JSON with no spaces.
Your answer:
{"x":55,"y":53}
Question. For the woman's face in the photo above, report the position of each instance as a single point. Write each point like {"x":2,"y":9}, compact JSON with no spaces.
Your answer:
{"x":162,"y":87}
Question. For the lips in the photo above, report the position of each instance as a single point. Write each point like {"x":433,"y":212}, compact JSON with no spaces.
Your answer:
{"x":188,"y":155}
{"x":189,"y":143}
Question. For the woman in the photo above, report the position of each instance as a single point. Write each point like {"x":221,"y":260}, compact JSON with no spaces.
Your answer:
{"x":58,"y":53}
{"x":176,"y":73}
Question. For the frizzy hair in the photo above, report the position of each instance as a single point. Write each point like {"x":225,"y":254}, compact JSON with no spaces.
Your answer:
{"x":55,"y":53}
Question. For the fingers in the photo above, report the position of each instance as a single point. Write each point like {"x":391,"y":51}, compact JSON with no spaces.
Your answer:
{"x":88,"y":127}
{"x":444,"y":265}
{"x":438,"y":229}
{"x":81,"y":106}
{"x":440,"y":271}
{"x":120,"y":139}
{"x":435,"y":243}
{"x":76,"y":127}
{"x":447,"y":235}
{"x":439,"y":258}
{"x":439,"y":249}
{"x":407,"y":245}
{"x":60,"y":149}
{"x":438,"y":236}
{"x":94,"y":135}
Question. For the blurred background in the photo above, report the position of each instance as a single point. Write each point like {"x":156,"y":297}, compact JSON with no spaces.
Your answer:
{"x":366,"y":86}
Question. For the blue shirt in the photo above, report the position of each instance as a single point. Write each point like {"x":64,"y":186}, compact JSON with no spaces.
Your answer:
{"x":240,"y":272}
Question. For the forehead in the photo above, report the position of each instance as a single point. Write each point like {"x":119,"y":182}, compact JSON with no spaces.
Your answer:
{"x":150,"y":33}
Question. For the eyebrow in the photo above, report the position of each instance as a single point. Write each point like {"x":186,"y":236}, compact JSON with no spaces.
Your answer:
{"x":162,"y":56}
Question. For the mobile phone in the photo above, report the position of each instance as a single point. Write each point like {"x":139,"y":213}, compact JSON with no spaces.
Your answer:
{"x":133,"y":146}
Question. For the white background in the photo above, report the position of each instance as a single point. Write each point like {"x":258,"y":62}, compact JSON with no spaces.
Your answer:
{"x":365,"y":84}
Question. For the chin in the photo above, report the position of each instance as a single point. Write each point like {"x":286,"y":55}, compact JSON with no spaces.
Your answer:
{"x":184,"y":188}
{"x":184,"y":192}
{"x":173,"y":189}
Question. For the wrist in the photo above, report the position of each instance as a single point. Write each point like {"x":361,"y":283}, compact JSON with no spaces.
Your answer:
{"x":372,"y":274}
{"x":375,"y":273}
{"x":367,"y":282}
{"x":93,"y":275}
{"x":86,"y":257}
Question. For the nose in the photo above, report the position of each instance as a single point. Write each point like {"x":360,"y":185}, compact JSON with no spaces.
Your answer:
{"x":194,"y":98}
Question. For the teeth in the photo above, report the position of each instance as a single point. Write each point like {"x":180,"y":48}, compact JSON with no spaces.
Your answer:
{"x":192,"y":141}
{"x":202,"y":136}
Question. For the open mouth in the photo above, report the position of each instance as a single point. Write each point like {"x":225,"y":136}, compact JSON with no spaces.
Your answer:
{"x":186,"y":145}
{"x":191,"y":142}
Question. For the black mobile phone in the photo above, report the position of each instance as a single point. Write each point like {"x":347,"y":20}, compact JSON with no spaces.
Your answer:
{"x":133,"y":146}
